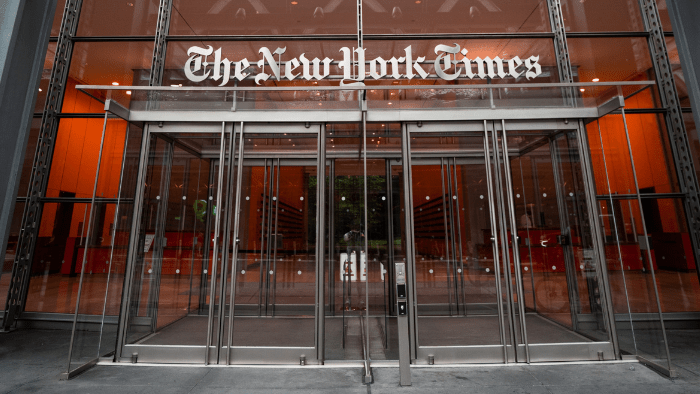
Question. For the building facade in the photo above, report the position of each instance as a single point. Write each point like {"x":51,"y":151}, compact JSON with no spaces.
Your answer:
{"x":372,"y":182}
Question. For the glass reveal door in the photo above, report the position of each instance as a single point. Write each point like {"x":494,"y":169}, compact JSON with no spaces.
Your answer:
{"x":505,"y":258}
{"x":224,"y":267}
{"x":171,"y":261}
{"x":457,"y":278}
{"x":269,"y":286}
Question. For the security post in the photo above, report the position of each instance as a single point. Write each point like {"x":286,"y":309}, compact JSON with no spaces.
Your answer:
{"x":402,"y":310}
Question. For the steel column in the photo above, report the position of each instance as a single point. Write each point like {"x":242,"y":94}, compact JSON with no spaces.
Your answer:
{"x":320,"y":246}
{"x":31,"y":219}
{"x":678,"y":137}
{"x":561,"y":48}
{"x":158,"y":62}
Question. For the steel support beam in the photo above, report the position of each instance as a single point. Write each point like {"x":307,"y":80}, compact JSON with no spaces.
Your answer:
{"x":561,"y":48}
{"x":24,"y":36}
{"x":678,"y":137}
{"x":158,"y":62}
{"x":39,"y":177}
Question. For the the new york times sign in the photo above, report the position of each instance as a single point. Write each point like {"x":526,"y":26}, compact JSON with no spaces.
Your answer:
{"x":448,"y":65}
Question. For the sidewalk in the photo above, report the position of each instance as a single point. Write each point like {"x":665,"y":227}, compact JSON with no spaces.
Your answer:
{"x":31,"y":360}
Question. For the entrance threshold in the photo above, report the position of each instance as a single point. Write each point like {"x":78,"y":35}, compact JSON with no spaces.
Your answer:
{"x":360,"y":364}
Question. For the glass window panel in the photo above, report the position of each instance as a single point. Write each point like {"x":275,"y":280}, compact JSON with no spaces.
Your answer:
{"x":602,"y":15}
{"x":6,"y":270}
{"x":664,"y":16}
{"x":136,"y":18}
{"x":58,"y":17}
{"x":490,"y":16}
{"x":651,"y":151}
{"x":672,"y":251}
{"x":615,"y":59}
{"x":632,"y":289}
{"x":75,"y":156}
{"x":58,"y":257}
{"x":263,"y":17}
{"x":678,"y":75}
{"x":106,"y":63}
{"x":693,"y":140}
{"x":45,"y":77}
{"x":29,"y":158}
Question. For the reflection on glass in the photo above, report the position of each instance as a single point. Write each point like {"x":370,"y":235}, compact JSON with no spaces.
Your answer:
{"x":628,"y":247}
{"x":172,"y":260}
{"x":612,"y":59}
{"x":58,"y":258}
{"x":106,"y":63}
{"x":454,"y":253}
{"x":10,"y":253}
{"x":74,"y":160}
{"x":136,"y":18}
{"x":263,"y":17}
{"x":45,"y":76}
{"x":362,"y":257}
{"x":58,"y":17}
{"x":678,"y":75}
{"x":601,"y":15}
{"x":664,"y":16}
{"x":417,"y":17}
{"x":276,"y":262}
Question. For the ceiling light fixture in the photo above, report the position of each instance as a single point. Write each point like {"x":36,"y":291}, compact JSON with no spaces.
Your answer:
{"x":596,"y":79}
{"x":128,"y":92}
{"x":115,"y":83}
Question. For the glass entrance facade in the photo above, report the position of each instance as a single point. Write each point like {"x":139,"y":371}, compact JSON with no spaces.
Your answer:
{"x":206,"y":203}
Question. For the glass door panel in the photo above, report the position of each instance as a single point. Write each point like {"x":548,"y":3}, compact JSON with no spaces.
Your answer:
{"x":271,"y":252}
{"x":457,"y":287}
{"x":276,"y":255}
{"x":170,"y":257}
{"x":557,"y":255}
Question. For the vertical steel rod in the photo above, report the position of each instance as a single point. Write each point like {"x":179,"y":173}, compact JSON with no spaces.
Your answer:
{"x":87,"y":244}
{"x":515,"y":239}
{"x":646,"y":241}
{"x":236,"y":227}
{"x":215,"y":255}
{"x":494,"y":240}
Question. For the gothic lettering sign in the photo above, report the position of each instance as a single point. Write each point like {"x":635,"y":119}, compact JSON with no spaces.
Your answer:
{"x":447,"y":65}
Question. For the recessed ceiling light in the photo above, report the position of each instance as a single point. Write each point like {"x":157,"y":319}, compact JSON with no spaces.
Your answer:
{"x":417,"y":1}
{"x":583,"y":90}
{"x":40,"y":90}
{"x":389,"y":103}
{"x":115,"y":83}
{"x":596,"y":79}
{"x":128,"y":92}
{"x":294,"y":3}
